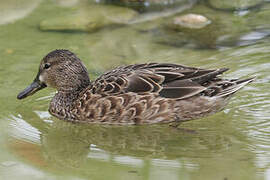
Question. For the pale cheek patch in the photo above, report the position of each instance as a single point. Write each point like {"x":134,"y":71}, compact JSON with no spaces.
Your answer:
{"x":44,"y":79}
{"x":41,"y":78}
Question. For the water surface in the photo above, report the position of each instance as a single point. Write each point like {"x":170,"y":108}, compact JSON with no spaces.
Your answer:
{"x":233,"y":144}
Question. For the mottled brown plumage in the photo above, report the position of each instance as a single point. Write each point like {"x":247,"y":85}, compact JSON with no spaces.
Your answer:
{"x":135,"y":94}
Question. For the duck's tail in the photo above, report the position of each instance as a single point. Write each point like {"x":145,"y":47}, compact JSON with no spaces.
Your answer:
{"x":237,"y":85}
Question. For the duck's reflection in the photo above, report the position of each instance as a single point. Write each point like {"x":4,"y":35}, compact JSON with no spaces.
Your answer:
{"x":152,"y":152}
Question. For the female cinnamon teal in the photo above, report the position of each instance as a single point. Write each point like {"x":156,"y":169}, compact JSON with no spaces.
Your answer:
{"x":135,"y":94}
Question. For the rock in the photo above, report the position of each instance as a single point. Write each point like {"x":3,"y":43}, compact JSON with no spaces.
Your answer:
{"x":193,"y":28}
{"x":151,"y":5}
{"x":150,"y":16}
{"x":234,"y":4}
{"x":12,"y":10}
{"x":206,"y":29}
{"x":90,"y":19}
{"x":153,"y":9}
{"x":192,"y":21}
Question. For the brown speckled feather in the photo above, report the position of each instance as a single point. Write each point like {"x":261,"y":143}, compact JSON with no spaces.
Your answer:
{"x":165,"y":79}
{"x":134,"y":94}
{"x":154,"y":93}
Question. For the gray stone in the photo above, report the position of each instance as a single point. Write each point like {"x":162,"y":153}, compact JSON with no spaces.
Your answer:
{"x":209,"y":28}
{"x":151,"y":5}
{"x":90,"y":19}
{"x":192,"y":21}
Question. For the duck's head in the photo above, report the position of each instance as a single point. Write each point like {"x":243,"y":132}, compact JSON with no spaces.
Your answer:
{"x":60,"y":69}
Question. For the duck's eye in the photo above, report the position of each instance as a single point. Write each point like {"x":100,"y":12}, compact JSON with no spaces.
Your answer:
{"x":47,"y":66}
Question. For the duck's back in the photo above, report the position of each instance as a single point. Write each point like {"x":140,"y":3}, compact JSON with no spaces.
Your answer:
{"x":154,"y":93}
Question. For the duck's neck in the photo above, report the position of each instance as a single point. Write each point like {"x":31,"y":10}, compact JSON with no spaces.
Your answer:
{"x":62,"y":103}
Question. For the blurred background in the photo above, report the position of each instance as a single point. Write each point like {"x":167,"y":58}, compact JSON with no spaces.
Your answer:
{"x":231,"y":145}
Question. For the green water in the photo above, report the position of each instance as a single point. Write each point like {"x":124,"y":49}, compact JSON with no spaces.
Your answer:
{"x":231,"y":145}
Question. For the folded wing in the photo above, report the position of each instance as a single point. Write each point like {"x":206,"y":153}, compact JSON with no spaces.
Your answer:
{"x":166,"y":80}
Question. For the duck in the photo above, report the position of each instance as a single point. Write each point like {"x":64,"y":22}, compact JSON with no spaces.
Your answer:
{"x":146,"y":93}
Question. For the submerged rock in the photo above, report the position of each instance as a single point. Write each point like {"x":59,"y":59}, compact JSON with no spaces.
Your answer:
{"x":89,"y":16}
{"x":150,"y":5}
{"x":234,"y":4}
{"x":193,"y":28}
{"x":90,"y":19}
{"x":153,"y":9}
{"x":191,"y":21}
{"x":211,"y":29}
{"x":150,"y":16}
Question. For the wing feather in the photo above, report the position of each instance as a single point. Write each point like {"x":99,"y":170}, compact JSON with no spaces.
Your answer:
{"x":164,"y":79}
